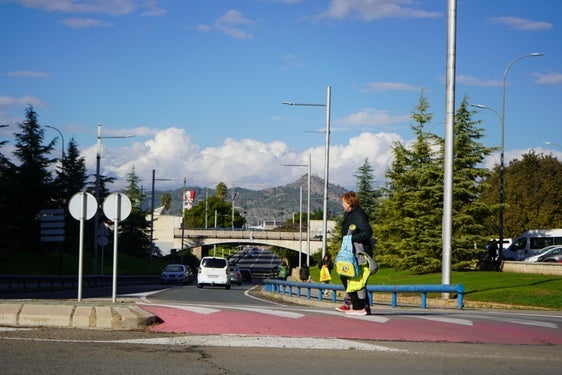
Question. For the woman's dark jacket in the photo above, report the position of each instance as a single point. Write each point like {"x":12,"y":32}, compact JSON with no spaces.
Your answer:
{"x":362,"y":232}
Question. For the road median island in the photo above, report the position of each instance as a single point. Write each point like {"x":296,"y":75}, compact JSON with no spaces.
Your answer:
{"x":97,"y":314}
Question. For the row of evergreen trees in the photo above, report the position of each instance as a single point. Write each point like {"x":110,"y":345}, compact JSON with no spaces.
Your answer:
{"x":28,"y":185}
{"x":406,"y":212}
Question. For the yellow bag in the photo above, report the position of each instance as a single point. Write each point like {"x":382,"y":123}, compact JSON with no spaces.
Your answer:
{"x":358,"y":282}
{"x":325,"y":274}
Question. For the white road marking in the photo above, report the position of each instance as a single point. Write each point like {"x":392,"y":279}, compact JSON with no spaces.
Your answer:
{"x":191,"y":308}
{"x":443,"y":319}
{"x":262,"y":342}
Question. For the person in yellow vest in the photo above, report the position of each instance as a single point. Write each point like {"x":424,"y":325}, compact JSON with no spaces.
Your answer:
{"x":326,"y":266}
{"x":356,"y":222}
{"x":283,"y":271}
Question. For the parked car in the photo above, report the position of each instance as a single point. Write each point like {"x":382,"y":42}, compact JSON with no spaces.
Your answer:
{"x":530,"y":242}
{"x":553,"y":258}
{"x":213,"y":271}
{"x":176,"y":273}
{"x":235,"y":275}
{"x":246,"y":274}
{"x":544,"y":252}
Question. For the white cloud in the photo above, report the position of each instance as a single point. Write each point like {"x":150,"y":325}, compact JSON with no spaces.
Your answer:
{"x":521,"y":23}
{"x":82,"y":23}
{"x":389,"y":86}
{"x":247,"y":162}
{"x":552,"y":78}
{"x":473,"y":81}
{"x":372,"y":117}
{"x":28,"y":74}
{"x":111,"y":7}
{"x":369,"y":10}
{"x":8,"y":101}
{"x":232,"y":23}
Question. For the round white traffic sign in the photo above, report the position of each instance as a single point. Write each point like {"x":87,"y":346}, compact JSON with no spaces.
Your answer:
{"x":117,"y":206}
{"x":82,"y":206}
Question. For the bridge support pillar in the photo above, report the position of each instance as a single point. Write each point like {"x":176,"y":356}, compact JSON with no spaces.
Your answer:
{"x":197,"y":251}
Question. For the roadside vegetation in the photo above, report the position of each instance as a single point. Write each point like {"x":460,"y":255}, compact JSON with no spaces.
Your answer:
{"x":496,"y":288}
{"x":509,"y":289}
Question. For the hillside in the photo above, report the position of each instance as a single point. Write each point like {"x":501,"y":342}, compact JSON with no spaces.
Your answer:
{"x":272,"y":204}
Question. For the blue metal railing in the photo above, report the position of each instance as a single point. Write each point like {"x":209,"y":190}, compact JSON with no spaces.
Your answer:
{"x":299,"y":289}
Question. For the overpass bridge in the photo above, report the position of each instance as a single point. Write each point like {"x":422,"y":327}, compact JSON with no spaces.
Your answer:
{"x":199,"y":240}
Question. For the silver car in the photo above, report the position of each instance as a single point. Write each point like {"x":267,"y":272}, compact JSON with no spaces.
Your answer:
{"x":176,"y":274}
{"x":235,"y":275}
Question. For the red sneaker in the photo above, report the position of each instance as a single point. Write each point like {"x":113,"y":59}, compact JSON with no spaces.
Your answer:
{"x":343,"y":308}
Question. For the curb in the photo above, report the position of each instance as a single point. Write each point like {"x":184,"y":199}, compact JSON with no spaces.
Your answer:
{"x":85,"y":315}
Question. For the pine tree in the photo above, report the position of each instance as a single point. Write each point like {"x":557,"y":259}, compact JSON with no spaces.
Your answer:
{"x":135,"y":229}
{"x":468,"y":174}
{"x":7,"y":208}
{"x":410,"y":228}
{"x":32,"y":181}
{"x":71,"y":176}
{"x":368,"y":196}
{"x":166,"y":201}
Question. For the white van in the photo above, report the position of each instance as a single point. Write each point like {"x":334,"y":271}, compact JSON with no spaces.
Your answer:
{"x":530,"y":242}
{"x":213,"y":271}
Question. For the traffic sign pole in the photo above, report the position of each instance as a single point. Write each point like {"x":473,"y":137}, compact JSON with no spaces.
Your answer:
{"x":116,"y":207}
{"x":82,"y":207}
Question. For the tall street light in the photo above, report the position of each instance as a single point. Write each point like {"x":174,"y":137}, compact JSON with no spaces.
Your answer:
{"x":96,"y":216}
{"x":326,"y":161}
{"x":553,"y":144}
{"x":501,"y":117}
{"x":152,"y":219}
{"x":307,"y":209}
{"x":61,"y":137}
{"x":232,"y":211}
{"x":502,"y":196}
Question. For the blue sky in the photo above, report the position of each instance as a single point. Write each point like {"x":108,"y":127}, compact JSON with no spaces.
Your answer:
{"x":200,"y":83}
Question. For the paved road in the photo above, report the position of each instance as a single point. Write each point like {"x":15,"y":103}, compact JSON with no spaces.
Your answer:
{"x":68,"y":351}
{"x":237,"y":312}
{"x":218,"y":331}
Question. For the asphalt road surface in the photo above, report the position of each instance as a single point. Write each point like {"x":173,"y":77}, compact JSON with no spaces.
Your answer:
{"x":218,"y":331}
{"x":64,"y":351}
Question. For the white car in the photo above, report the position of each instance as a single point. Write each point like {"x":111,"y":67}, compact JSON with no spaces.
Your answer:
{"x":213,"y":271}
{"x":549,"y":250}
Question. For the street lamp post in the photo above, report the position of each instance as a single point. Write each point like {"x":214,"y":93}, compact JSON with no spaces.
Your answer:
{"x":61,"y":137}
{"x":553,"y":144}
{"x":502,"y":145}
{"x":96,"y":216}
{"x":326,"y":161}
{"x":232,"y":221}
{"x":307,"y":208}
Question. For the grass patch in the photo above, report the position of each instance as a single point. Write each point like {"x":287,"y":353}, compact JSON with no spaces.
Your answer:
{"x":520,"y":289}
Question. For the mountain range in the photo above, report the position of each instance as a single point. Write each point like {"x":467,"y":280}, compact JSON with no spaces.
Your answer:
{"x":277,"y":204}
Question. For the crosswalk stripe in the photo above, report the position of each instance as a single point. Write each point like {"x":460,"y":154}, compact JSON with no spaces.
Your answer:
{"x":263,"y":342}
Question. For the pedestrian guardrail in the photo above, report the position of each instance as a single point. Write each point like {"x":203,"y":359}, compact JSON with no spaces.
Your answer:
{"x":305,"y":290}
{"x":27,"y":283}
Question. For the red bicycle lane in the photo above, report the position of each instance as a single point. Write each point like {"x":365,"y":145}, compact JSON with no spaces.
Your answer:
{"x":393,"y":327}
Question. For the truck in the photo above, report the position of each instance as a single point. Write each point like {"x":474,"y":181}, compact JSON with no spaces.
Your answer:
{"x":530,"y":243}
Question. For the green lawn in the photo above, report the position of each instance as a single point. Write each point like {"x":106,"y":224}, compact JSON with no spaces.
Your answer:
{"x":520,"y":289}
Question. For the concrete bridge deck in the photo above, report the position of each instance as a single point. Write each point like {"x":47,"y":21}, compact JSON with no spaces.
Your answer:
{"x":296,"y":241}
